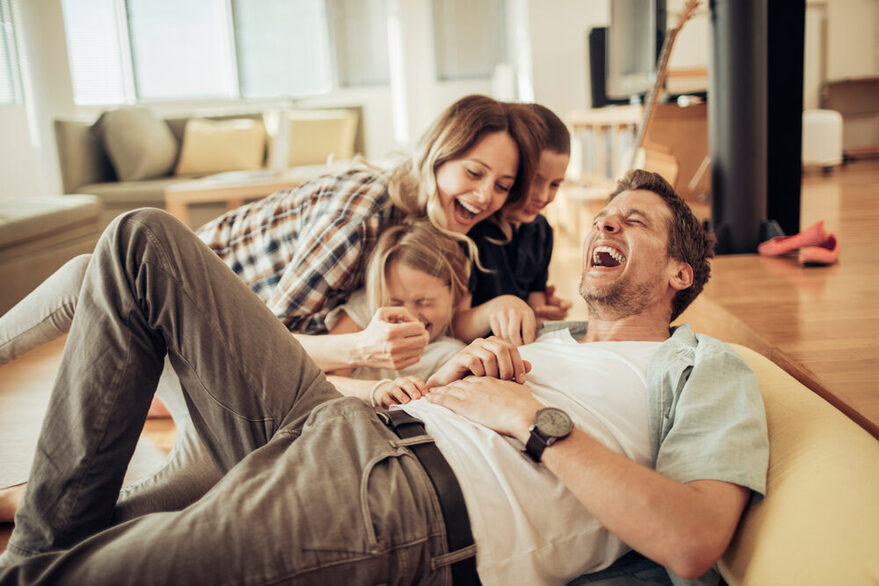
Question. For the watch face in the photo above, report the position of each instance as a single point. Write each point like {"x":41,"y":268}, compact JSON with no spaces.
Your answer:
{"x":553,"y":422}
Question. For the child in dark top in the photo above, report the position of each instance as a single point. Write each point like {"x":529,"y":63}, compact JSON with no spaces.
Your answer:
{"x":511,"y":297}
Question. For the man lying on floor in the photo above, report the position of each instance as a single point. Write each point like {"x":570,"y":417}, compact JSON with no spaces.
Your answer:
{"x":625,"y":435}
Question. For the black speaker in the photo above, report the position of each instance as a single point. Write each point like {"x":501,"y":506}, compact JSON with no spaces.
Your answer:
{"x":597,"y":55}
{"x":786,"y":40}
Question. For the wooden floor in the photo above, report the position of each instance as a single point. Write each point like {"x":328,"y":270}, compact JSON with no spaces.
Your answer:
{"x":820,"y":324}
{"x":25,"y":386}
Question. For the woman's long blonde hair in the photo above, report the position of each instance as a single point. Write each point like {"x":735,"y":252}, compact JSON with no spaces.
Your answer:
{"x":412,"y":186}
{"x":417,"y":244}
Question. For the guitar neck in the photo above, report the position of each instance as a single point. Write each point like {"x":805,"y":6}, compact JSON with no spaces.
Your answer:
{"x":653,"y":94}
{"x":661,"y":72}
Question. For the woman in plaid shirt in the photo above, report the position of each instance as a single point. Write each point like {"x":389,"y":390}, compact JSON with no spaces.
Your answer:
{"x":304,"y":250}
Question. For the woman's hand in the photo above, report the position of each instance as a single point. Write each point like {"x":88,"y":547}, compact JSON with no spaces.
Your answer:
{"x":483,"y":357}
{"x":398,"y":391}
{"x":512,"y":320}
{"x":393,"y":339}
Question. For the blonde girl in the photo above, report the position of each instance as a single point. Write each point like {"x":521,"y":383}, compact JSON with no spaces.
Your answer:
{"x":415,"y":274}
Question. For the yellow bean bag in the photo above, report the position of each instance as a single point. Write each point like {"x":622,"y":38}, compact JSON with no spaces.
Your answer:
{"x":819,"y":522}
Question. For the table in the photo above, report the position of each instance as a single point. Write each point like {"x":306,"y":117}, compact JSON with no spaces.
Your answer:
{"x":234,"y":187}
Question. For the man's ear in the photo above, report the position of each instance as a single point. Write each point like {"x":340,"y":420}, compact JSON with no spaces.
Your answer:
{"x":682,"y":275}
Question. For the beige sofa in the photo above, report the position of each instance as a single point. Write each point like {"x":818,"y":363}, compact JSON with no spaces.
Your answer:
{"x":38,"y":235}
{"x":128,"y":156}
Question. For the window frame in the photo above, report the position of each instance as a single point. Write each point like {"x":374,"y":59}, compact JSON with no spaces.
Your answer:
{"x":12,"y":65}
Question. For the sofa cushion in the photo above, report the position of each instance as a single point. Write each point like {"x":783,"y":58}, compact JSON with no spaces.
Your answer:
{"x":139,"y":145}
{"x":214,"y":146}
{"x":309,"y":137}
{"x":29,"y":218}
{"x":148,"y":192}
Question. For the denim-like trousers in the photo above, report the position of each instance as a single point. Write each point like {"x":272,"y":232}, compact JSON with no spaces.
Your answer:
{"x":315,"y":488}
{"x":46,"y":314}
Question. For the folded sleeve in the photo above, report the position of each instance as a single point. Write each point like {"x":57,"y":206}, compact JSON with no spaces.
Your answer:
{"x":715,"y":426}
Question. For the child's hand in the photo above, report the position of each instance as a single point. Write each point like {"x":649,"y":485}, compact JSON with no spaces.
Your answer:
{"x":393,"y":339}
{"x":554,"y":309}
{"x":398,"y":391}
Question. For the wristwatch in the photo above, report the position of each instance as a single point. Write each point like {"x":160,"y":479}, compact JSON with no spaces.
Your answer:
{"x":550,"y":425}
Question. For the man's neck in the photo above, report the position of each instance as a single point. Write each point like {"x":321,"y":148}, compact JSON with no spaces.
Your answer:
{"x":633,"y":328}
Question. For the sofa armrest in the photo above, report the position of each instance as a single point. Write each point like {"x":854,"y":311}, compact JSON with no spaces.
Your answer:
{"x":81,"y":156}
{"x":819,"y":521}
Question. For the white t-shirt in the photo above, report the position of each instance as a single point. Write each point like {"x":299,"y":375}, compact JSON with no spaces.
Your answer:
{"x":529,"y":529}
{"x":435,"y":354}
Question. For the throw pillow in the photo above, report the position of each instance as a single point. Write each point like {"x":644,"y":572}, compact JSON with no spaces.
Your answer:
{"x":214,"y":146}
{"x":138,"y":144}
{"x":313,"y":135}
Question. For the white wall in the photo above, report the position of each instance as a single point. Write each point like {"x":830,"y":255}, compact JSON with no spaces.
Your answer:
{"x":47,"y":94}
{"x":559,"y":51}
{"x":851,"y":38}
{"x":27,"y":146}
{"x":815,"y":53}
{"x":19,"y":175}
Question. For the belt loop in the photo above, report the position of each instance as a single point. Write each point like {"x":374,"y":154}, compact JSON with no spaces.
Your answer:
{"x":459,"y":538}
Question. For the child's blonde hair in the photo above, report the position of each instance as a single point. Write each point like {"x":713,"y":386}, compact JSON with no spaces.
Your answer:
{"x":418,"y":245}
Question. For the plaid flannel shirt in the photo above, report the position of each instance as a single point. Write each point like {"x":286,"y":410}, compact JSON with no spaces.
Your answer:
{"x":303,"y":251}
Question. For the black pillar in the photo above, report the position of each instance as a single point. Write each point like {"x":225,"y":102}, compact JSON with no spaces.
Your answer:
{"x":787,"y":26}
{"x":737,"y":118}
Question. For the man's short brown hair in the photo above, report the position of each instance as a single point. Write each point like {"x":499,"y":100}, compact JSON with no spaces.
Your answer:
{"x":688,"y":241}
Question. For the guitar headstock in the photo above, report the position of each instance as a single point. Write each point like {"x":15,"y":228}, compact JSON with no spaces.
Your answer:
{"x":687,"y":12}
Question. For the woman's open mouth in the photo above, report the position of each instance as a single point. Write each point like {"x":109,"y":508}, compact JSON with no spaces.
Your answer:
{"x":465,"y":213}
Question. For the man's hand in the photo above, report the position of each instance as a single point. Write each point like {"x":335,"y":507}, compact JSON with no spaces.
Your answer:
{"x":483,"y":357}
{"x":512,"y":319}
{"x":553,"y":308}
{"x":393,"y":339}
{"x":398,"y":391}
{"x":503,"y":406}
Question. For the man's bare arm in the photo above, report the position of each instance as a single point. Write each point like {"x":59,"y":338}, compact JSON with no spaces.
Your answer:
{"x":683,"y":526}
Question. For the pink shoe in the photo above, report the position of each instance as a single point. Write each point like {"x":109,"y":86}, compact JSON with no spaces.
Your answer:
{"x":814,"y":235}
{"x":825,"y":253}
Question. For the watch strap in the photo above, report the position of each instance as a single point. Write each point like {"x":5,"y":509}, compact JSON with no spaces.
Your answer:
{"x":536,"y":444}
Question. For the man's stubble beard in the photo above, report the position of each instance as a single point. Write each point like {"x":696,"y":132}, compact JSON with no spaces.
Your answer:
{"x":619,"y":299}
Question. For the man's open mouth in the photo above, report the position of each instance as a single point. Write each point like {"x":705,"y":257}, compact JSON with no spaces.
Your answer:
{"x":605,"y":256}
